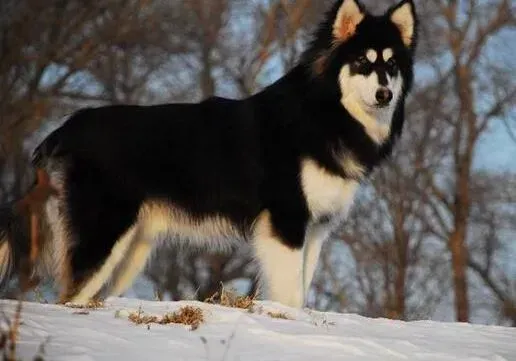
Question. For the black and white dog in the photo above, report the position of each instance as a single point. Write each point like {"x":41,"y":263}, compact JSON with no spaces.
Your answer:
{"x":278,"y":170}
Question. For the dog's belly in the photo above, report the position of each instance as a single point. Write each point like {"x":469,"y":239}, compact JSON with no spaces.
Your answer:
{"x":329,"y":197}
{"x":164,"y":220}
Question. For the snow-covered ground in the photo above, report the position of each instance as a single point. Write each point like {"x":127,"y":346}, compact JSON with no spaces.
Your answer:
{"x":237,"y":335}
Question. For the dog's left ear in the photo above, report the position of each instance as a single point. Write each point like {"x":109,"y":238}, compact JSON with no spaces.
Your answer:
{"x":403,"y":15}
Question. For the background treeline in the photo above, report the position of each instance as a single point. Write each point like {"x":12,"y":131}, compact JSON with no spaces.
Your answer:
{"x":432,"y":235}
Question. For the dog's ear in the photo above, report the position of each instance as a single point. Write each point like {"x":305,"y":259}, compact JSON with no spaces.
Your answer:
{"x":349,"y":15}
{"x":403,"y":15}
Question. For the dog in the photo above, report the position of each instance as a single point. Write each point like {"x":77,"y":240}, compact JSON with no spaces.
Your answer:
{"x":278,"y":169}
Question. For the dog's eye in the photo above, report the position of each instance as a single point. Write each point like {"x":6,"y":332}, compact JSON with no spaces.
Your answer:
{"x":391,"y":63}
{"x":362,"y":60}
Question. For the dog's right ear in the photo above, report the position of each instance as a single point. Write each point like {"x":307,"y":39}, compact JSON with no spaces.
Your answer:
{"x":349,"y":15}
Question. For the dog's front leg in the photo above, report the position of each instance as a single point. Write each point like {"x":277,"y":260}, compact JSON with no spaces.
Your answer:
{"x":282,"y":267}
{"x":315,"y":237}
{"x":281,"y":272}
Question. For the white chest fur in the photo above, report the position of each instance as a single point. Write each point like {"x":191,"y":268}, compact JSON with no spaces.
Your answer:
{"x":326,"y":194}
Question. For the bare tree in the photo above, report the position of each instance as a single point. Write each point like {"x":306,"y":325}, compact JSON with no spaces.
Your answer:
{"x":470,"y":79}
{"x":433,"y":196}
{"x":50,"y":52}
{"x":493,"y":218}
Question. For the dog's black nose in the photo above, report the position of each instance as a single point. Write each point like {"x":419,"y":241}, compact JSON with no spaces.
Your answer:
{"x":383,"y":96}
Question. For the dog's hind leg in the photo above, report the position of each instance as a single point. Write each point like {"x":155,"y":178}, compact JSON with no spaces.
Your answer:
{"x":133,"y":263}
{"x":92,"y":286}
{"x":102,"y":216}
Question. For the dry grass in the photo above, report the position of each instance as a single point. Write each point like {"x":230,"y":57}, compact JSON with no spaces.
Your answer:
{"x":9,"y":337}
{"x":229,"y":298}
{"x":187,"y":315}
{"x":91,"y":305}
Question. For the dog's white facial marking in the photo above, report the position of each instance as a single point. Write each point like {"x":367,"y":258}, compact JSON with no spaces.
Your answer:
{"x":371,"y":55}
{"x":387,"y":54}
{"x":367,"y":85}
{"x":359,"y":99}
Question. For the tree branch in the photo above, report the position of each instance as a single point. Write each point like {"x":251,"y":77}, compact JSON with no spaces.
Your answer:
{"x":502,"y":17}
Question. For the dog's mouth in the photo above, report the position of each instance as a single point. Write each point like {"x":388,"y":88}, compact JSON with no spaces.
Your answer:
{"x":375,"y":107}
{"x":381,"y":105}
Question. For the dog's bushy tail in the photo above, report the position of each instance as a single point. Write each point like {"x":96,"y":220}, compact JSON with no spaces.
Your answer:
{"x":14,"y":242}
{"x":22,"y":232}
{"x":6,"y":256}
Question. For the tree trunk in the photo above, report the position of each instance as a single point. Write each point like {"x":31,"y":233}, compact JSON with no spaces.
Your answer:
{"x":457,"y":240}
{"x":206,"y":76}
{"x":402,"y":243}
{"x":399,"y":289}
{"x":460,"y":284}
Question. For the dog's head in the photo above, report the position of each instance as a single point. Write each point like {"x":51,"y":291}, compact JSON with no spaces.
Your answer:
{"x":368,"y":59}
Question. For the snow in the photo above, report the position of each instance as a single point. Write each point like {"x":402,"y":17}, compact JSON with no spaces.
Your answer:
{"x":230,"y":334}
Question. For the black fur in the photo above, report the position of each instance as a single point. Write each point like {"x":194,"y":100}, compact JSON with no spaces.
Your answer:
{"x":233,"y":158}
